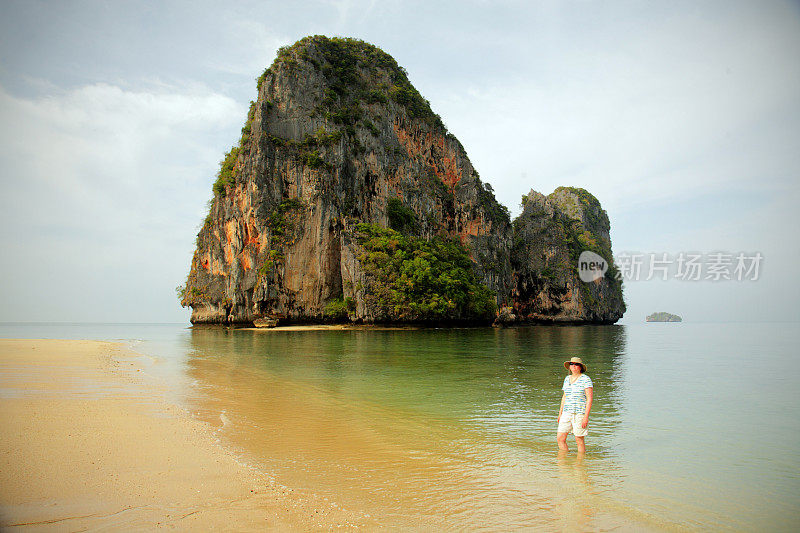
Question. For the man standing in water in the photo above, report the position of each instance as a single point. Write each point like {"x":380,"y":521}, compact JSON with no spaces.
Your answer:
{"x":576,"y":402}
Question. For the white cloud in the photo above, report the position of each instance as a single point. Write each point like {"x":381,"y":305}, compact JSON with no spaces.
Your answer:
{"x":667,"y":110}
{"x":100,"y":145}
{"x":347,"y":9}
{"x":105,"y":183}
{"x":262,"y":45}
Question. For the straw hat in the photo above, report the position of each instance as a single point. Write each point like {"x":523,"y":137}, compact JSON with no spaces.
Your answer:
{"x":575,"y":360}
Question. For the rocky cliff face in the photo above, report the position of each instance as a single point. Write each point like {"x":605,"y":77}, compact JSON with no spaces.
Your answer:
{"x":347,"y":199}
{"x":549,"y":236}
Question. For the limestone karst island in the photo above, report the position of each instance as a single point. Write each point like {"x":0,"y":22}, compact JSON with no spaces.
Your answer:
{"x":663,"y":316}
{"x":347,"y":200}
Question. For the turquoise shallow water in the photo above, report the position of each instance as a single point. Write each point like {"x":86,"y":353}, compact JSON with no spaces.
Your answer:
{"x":693,"y":425}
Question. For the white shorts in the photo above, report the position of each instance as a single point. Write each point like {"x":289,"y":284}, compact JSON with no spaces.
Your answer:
{"x":572,"y":422}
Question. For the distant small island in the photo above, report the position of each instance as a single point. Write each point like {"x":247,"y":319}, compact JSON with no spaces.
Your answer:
{"x":663,"y":317}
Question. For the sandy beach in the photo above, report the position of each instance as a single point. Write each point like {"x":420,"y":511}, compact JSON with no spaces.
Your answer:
{"x":88,"y":441}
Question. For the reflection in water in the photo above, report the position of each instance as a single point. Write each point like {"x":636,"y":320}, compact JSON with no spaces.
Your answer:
{"x":576,"y":510}
{"x":421,"y":428}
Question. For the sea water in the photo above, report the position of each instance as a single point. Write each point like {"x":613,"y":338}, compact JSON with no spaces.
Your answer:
{"x":693,"y":426}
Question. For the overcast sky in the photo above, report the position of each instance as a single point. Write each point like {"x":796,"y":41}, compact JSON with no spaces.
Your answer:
{"x":682,"y":118}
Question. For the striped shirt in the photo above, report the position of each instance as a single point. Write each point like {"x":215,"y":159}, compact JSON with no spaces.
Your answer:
{"x":575,"y":401}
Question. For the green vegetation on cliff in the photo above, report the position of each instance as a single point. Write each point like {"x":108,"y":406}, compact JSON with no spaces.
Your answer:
{"x":590,"y":206}
{"x":414,"y":279}
{"x":663,"y":316}
{"x":497,"y":212}
{"x":580,"y":236}
{"x":307,"y":150}
{"x":225,"y":175}
{"x":401,"y":217}
{"x":339,"y":308}
{"x":579,"y":239}
{"x":358,"y":74}
{"x":279,"y":225}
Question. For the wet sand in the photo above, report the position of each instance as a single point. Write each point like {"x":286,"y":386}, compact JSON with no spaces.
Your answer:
{"x":88,"y":441}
